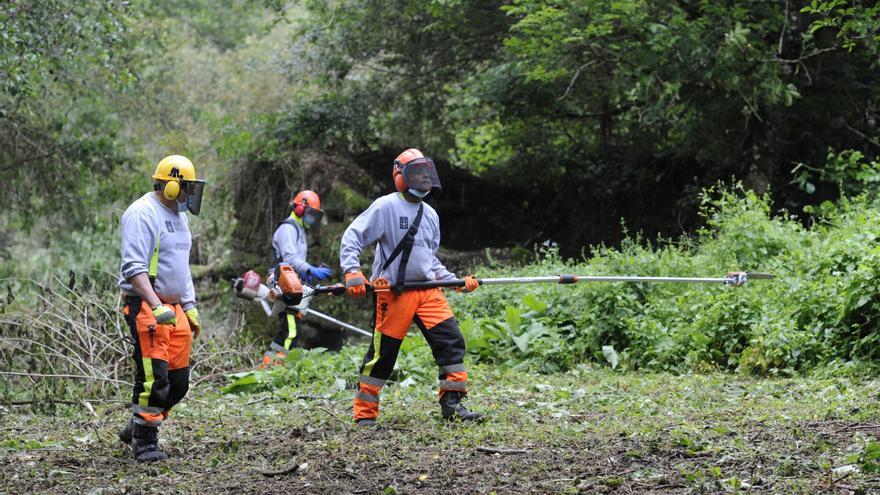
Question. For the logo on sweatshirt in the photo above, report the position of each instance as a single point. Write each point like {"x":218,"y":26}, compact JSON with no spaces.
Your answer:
{"x":404,"y":222}
{"x":169,"y":226}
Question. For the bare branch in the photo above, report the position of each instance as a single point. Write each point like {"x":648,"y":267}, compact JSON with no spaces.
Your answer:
{"x":574,"y":78}
{"x":79,"y":377}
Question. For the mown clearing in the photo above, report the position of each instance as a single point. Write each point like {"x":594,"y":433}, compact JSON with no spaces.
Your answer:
{"x":585,"y":431}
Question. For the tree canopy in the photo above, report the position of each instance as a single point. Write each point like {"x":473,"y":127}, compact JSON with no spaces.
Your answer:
{"x":581,"y":105}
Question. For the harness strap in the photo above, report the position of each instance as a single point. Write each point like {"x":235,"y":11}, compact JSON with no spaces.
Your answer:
{"x":292,"y":222}
{"x":403,"y":249}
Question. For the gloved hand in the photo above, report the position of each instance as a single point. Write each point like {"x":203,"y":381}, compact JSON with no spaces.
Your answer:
{"x":319,"y":272}
{"x":470,"y":284}
{"x":736,"y":278}
{"x":164,"y":315}
{"x":193,"y":316}
{"x":356,"y":284}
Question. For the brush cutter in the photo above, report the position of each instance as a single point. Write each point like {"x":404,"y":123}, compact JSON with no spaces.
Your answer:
{"x":283,"y":291}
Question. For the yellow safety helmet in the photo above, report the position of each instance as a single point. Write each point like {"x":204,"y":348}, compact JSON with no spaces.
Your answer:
{"x":175,"y":172}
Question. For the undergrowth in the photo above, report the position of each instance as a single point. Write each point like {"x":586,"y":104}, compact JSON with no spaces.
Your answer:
{"x":820,"y":312}
{"x":819,"y":315}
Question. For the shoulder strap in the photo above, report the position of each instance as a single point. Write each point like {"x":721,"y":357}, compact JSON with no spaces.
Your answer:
{"x":404,"y":248}
{"x":293,"y":223}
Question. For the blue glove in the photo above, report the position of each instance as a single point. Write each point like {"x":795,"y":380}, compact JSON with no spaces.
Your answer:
{"x":315,"y":273}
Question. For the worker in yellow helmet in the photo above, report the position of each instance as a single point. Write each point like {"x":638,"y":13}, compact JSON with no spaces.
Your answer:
{"x":160,"y":301}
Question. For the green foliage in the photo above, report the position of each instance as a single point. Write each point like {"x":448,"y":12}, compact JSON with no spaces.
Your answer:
{"x":383,"y":71}
{"x":319,"y":371}
{"x":850,"y":22}
{"x":60,"y":151}
{"x":224,"y":24}
{"x":588,"y":95}
{"x":305,"y":368}
{"x":849,"y":170}
{"x":869,"y":460}
{"x":823,"y":307}
{"x":48,"y":42}
{"x":92,"y":95}
{"x":593,"y":92}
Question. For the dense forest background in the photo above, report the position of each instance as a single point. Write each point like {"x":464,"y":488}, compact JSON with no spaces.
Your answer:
{"x":673,"y":138}
{"x":564,"y":125}
{"x":552,"y":121}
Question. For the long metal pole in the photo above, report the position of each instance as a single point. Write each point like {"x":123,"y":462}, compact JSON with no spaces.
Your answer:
{"x":578,"y":278}
{"x":336,"y":322}
{"x":560,"y":279}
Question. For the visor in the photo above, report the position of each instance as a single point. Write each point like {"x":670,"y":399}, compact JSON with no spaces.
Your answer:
{"x":421,"y":175}
{"x":312,"y":216}
{"x":194,"y":190}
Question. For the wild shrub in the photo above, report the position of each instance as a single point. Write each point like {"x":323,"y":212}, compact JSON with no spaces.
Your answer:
{"x":318,"y":371}
{"x":823,"y":306}
{"x":66,"y":338}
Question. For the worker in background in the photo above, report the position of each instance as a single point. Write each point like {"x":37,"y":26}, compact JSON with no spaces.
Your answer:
{"x":290,"y":245}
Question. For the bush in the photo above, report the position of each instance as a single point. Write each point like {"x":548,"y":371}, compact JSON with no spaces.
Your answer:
{"x":822,"y":307}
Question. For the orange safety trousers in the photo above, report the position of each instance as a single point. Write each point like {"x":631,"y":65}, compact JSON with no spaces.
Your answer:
{"x":394,"y":314}
{"x":161,"y":361}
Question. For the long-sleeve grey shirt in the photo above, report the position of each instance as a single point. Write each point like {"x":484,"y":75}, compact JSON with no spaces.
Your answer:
{"x":385,"y":223}
{"x":291,"y":246}
{"x":141,"y":224}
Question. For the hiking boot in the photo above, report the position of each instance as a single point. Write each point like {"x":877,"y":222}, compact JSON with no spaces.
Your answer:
{"x":453,"y":410}
{"x":126,"y":432}
{"x":145,"y":444}
{"x":365,"y":422}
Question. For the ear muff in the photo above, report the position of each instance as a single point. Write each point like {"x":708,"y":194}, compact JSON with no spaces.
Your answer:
{"x":299,"y":210}
{"x":171,"y":190}
{"x":399,"y":179}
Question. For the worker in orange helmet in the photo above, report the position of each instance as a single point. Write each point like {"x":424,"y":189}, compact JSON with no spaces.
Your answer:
{"x":290,"y":245}
{"x":406,"y":232}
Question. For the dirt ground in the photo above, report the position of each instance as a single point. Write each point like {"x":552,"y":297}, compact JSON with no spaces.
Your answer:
{"x":588,"y":432}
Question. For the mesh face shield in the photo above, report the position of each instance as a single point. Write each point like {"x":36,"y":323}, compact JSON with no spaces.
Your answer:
{"x":312,"y":216}
{"x":194,"y":190}
{"x":421,"y":175}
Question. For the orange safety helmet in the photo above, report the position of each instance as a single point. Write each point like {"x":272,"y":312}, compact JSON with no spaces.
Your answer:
{"x":307,"y":203}
{"x":407,"y":164}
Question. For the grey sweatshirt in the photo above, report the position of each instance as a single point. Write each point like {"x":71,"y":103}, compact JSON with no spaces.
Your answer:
{"x":291,"y":246}
{"x":145,"y":219}
{"x":385,"y":223}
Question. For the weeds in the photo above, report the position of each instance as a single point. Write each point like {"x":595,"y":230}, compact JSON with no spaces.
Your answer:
{"x":821,"y":312}
{"x":71,"y":341}
{"x":824,"y":306}
{"x":66,"y":334}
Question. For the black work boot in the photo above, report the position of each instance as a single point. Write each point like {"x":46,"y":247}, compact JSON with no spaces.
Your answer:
{"x":452,"y":409}
{"x":365,"y":422}
{"x":145,"y":444}
{"x":126,"y":432}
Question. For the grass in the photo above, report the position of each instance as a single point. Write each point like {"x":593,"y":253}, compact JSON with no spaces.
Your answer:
{"x":593,"y":431}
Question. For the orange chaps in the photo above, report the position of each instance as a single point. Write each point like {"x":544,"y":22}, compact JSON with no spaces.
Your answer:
{"x":430,"y":312}
{"x":161,"y":361}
